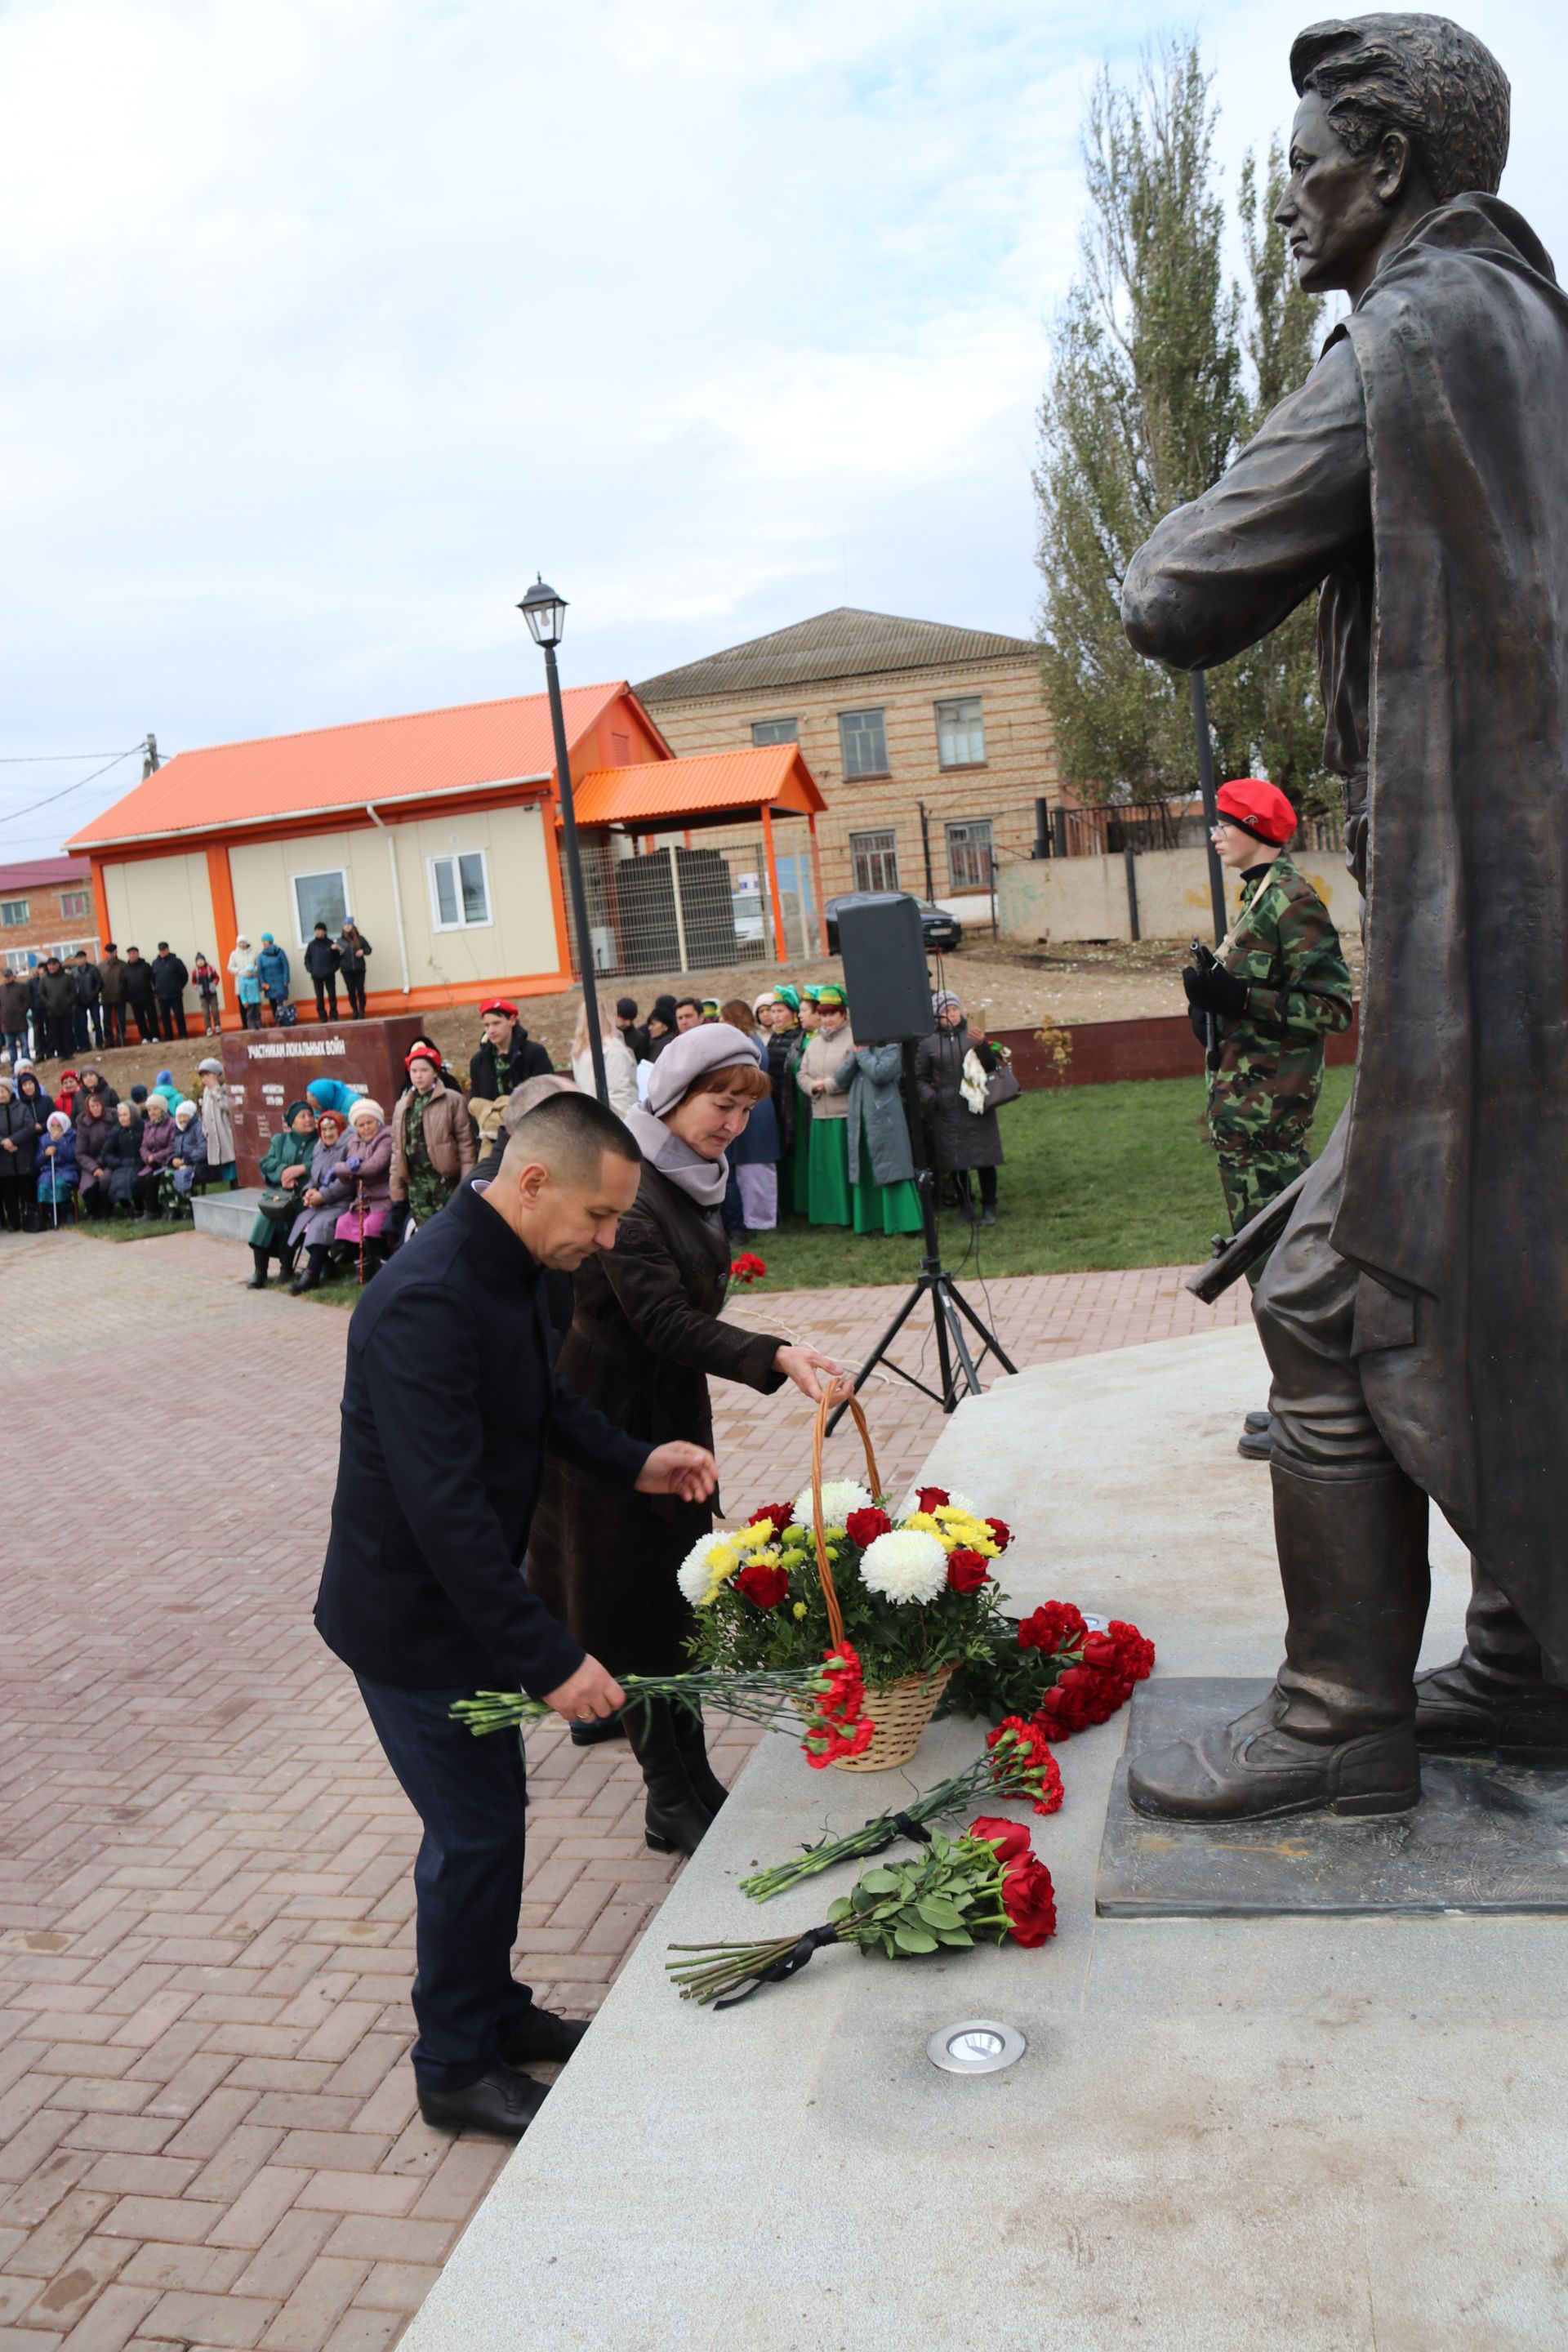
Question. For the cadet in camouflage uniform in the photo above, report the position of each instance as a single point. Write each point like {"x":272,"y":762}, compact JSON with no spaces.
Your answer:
{"x":1277,"y":989}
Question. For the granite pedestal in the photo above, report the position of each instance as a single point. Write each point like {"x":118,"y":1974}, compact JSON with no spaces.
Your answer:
{"x":1225,"y":2134}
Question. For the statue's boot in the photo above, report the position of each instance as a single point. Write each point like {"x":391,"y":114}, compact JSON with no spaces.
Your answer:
{"x":1495,"y":1696}
{"x":1336,"y":1732}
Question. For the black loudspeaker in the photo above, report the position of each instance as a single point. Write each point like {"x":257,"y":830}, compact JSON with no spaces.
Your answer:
{"x":884,"y":954}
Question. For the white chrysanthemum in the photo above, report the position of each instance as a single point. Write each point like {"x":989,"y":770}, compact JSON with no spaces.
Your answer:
{"x":839,"y":1498}
{"x":907,"y":1565}
{"x":704,"y":1569}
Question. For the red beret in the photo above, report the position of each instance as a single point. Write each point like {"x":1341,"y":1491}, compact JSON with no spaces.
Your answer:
{"x":421,"y":1054}
{"x":498,"y":1004}
{"x":1257,"y":808}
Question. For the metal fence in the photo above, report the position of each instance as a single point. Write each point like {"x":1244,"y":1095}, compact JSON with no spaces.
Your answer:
{"x":693,"y":910}
{"x":1116,"y":826}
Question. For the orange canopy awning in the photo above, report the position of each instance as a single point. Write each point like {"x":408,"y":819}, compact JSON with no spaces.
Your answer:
{"x":655,"y":795}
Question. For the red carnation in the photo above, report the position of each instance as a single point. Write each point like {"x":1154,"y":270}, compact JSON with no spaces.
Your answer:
{"x":863,"y":1528}
{"x":1135,"y":1653}
{"x":1054,"y":1627}
{"x":966,"y":1570}
{"x":1000,"y":1533}
{"x":1022,"y":1749}
{"x":778,"y":1515}
{"x":1029,"y":1900}
{"x":930,"y":1498}
{"x":768,"y":1587}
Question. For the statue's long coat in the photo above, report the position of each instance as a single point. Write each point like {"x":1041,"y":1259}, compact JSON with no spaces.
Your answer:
{"x":1455,"y":1198}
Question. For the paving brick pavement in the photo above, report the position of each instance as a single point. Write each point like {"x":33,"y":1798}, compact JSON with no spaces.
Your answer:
{"x":207,"y":2130}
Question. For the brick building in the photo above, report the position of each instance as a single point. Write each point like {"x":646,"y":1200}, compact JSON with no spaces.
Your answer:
{"x":46,"y":908}
{"x":890,"y":714}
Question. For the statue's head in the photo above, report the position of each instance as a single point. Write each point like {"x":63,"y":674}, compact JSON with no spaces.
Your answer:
{"x":1398,"y":114}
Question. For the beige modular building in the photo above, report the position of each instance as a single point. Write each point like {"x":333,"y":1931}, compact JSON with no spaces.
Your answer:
{"x":893,"y":717}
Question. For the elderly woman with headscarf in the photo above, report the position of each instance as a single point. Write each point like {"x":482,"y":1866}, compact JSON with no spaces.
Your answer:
{"x":322,"y":1201}
{"x":121,"y":1156}
{"x":188,"y":1167}
{"x":950,"y":1071}
{"x":94,"y":1126}
{"x":18,"y":1137}
{"x":366,"y":1170}
{"x":56,"y":1170}
{"x":285,"y":1169}
{"x":155,"y":1150}
{"x":646,"y":1335}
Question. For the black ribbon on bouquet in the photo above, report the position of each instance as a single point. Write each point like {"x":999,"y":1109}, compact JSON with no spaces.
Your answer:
{"x":904,"y":1825}
{"x":787,"y":1965}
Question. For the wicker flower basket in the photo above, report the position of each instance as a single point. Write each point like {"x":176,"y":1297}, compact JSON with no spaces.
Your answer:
{"x":899,"y":1710}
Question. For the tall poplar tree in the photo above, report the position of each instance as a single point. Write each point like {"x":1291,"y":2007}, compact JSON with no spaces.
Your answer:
{"x":1160,"y":370}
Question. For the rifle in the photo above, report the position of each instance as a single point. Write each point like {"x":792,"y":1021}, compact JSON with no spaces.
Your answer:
{"x":1204,"y":960}
{"x":1234,"y":1253}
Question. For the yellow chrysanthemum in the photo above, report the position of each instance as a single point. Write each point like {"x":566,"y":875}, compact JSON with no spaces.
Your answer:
{"x":800,"y":1609}
{"x":749,"y":1538}
{"x":926,"y":1521}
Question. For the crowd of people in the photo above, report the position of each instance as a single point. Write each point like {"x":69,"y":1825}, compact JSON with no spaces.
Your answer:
{"x":61,"y":1006}
{"x":82,"y":1152}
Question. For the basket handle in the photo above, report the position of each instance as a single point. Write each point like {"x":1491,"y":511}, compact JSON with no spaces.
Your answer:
{"x":840,"y":1391}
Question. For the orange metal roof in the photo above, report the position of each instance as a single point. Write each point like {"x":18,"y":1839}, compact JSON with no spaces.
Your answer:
{"x":662,"y":792}
{"x":380,"y":759}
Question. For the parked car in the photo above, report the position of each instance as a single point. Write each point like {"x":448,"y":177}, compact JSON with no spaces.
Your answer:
{"x":940,"y":931}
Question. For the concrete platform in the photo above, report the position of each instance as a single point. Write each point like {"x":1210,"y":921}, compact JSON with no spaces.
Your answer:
{"x":1342,"y":2136}
{"x":229,"y":1215}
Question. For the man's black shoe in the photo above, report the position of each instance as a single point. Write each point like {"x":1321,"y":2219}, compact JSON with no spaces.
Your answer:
{"x":1255,"y":1445}
{"x":500,"y":2102}
{"x":1257,"y":1421}
{"x":539,"y":2039}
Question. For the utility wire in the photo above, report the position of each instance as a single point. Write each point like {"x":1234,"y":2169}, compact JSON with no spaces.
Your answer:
{"x":9,"y":816}
{"x":43,"y":759}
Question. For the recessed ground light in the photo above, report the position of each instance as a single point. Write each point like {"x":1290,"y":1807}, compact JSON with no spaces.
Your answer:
{"x":976,"y":2046}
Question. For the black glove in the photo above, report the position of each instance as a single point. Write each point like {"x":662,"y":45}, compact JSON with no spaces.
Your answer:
{"x":1215,"y":990}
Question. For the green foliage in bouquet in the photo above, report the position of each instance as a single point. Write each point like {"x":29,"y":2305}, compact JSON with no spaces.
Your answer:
{"x":916,"y":1591}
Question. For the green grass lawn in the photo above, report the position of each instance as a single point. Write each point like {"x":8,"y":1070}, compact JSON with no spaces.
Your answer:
{"x":1094,"y":1177}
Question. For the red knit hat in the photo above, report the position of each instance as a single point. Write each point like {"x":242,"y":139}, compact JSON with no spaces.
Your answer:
{"x":498,"y":1004}
{"x":1258,"y":807}
{"x":421,"y":1054}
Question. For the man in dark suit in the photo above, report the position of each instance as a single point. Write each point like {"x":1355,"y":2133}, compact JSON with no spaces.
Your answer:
{"x":450,"y":1404}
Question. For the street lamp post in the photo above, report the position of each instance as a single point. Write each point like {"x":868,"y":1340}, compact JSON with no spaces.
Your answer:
{"x":545,"y":613}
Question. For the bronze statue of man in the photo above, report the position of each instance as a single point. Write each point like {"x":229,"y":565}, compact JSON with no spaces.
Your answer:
{"x":1416,"y":1313}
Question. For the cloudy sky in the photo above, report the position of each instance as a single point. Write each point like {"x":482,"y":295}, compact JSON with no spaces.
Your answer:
{"x":329,"y":323}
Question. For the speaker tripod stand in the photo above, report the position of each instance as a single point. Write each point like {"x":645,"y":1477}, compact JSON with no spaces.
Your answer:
{"x":958,"y":1360}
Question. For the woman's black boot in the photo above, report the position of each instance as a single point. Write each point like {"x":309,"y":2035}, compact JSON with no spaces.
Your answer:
{"x":258,"y":1280}
{"x":675,"y":1820}
{"x":706,"y":1786}
{"x":313,"y":1272}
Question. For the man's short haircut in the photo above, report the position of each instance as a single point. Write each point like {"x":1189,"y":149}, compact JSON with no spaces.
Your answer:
{"x":694,"y":1002}
{"x":570,"y":1134}
{"x":1422,"y":75}
{"x":532,"y":1093}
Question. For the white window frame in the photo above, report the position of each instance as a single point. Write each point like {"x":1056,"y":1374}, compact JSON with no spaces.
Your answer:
{"x":861,"y":847}
{"x":74,"y":904}
{"x":765,"y":732}
{"x":18,"y":922}
{"x":450,"y":858}
{"x":956,"y":726}
{"x":314,"y":874}
{"x":968,"y":826}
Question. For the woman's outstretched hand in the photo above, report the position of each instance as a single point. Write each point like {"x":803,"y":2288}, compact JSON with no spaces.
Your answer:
{"x":802,"y":1365}
{"x":677,"y":1468}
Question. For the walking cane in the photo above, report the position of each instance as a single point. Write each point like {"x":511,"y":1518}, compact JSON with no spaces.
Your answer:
{"x":54,"y":1191}
{"x":359,"y":1203}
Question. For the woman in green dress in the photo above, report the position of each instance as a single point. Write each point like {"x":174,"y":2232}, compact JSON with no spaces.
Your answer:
{"x":825,"y":1196}
{"x":881,"y":1163}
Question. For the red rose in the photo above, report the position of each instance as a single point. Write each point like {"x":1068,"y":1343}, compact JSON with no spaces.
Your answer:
{"x":778,"y":1515}
{"x":928,"y":1499}
{"x":1029,"y":1900}
{"x":1098,"y":1649}
{"x":1055,"y":1626}
{"x":863,"y":1528}
{"x":768,"y":1587}
{"x":1000,"y":1533}
{"x":1010,"y":1839}
{"x":966,"y":1570}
